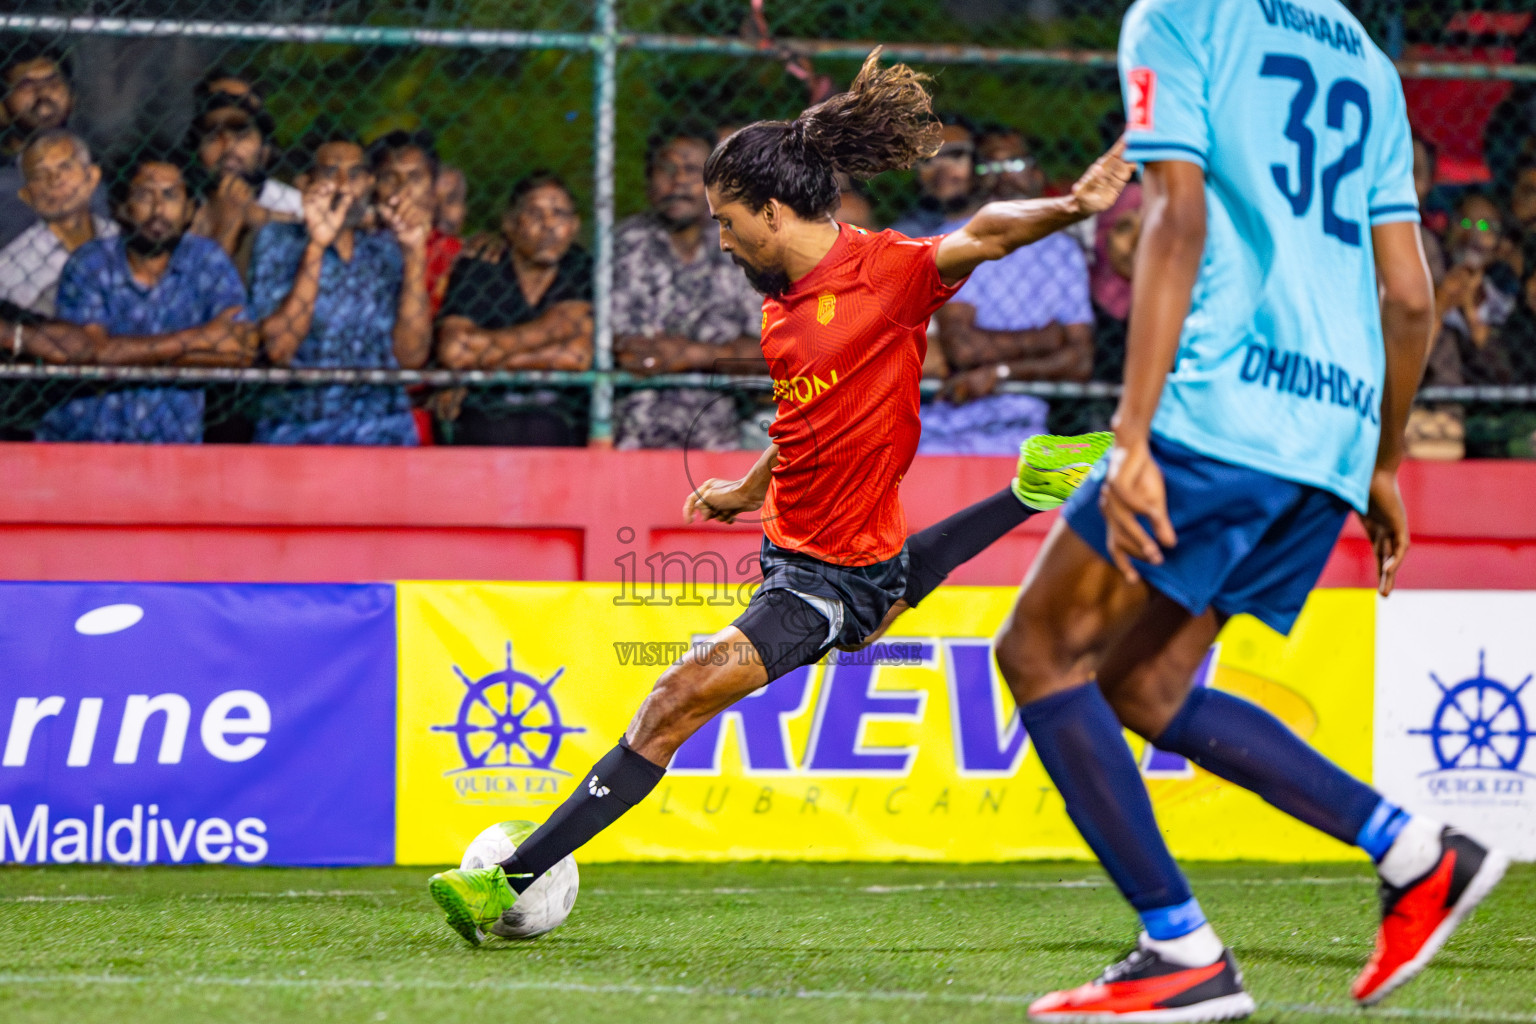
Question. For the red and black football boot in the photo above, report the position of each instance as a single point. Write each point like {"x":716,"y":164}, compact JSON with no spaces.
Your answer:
{"x":1417,"y":918}
{"x":1145,"y":987}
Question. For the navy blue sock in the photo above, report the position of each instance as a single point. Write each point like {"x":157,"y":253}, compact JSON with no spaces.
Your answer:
{"x":1082,"y":747}
{"x":1244,"y":744}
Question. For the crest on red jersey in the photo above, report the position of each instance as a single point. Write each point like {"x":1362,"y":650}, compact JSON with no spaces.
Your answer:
{"x":826,"y":308}
{"x":1143,"y":83}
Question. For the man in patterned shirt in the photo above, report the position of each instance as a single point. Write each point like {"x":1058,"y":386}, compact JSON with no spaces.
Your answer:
{"x":60,"y":179}
{"x":680,"y":305}
{"x":152,"y":296}
{"x":328,"y":293}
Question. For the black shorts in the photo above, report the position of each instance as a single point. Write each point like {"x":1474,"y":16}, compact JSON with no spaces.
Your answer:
{"x":805,"y":606}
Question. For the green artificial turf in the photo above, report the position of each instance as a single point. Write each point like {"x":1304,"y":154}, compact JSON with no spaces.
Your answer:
{"x":702,"y":943}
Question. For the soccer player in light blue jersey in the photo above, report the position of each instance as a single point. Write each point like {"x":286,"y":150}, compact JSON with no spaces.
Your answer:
{"x":1279,"y":324}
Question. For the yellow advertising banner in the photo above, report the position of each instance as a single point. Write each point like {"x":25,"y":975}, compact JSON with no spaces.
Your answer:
{"x":913,"y":750}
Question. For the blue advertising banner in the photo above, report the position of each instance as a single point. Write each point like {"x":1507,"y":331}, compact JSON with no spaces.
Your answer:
{"x":197,"y":723}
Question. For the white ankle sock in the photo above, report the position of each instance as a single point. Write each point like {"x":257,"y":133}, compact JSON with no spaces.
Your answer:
{"x":1413,"y":853}
{"x":1199,"y":948}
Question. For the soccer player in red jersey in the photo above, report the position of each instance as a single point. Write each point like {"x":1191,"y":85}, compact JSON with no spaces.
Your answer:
{"x":844,"y":333}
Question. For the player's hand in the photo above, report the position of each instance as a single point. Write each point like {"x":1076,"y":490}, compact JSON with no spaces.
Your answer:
{"x":1133,"y":489}
{"x":721,"y":500}
{"x":1386,"y":523}
{"x":1102,"y":183}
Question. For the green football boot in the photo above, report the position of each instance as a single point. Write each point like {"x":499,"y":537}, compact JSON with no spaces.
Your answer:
{"x":473,"y":898}
{"x":1051,"y":466}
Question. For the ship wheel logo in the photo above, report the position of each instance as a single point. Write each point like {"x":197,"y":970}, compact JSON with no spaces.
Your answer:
{"x":509,"y":719}
{"x":1479,"y":723}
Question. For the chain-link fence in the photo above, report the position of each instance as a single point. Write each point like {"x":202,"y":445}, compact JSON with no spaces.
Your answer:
{"x":516,"y":249}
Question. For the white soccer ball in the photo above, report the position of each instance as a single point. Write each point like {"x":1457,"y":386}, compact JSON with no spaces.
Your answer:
{"x":546,"y":903}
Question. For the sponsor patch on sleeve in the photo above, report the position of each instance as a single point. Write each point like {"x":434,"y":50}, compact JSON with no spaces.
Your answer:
{"x":1143,"y":90}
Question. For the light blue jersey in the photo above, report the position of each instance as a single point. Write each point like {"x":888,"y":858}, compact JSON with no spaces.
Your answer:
{"x":1299,"y":123}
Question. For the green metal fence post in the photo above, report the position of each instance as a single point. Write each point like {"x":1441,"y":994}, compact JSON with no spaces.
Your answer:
{"x":602,"y":215}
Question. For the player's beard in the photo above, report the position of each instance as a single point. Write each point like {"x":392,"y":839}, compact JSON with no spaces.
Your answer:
{"x":771,"y":283}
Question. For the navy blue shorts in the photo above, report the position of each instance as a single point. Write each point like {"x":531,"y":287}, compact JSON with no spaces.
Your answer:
{"x":806,"y":606}
{"x":1248,"y":541}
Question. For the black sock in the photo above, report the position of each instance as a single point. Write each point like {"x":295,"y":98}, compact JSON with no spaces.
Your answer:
{"x":615,"y":784}
{"x":939,"y":550}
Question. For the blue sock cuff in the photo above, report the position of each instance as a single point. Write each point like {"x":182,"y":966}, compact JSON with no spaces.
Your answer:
{"x":1047,"y":706}
{"x":1381,"y":829}
{"x":1175,"y":921}
{"x":1173,"y":733}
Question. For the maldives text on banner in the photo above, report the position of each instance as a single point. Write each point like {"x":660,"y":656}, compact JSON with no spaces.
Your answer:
{"x":176,"y":723}
{"x":508,"y":691}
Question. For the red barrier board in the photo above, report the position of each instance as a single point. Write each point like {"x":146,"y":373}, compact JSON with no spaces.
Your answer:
{"x":235,"y":513}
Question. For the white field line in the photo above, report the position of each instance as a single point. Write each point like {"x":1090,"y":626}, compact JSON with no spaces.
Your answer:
{"x":770,"y":890}
{"x":884,"y":890}
{"x":286,"y":894}
{"x":686,"y":991}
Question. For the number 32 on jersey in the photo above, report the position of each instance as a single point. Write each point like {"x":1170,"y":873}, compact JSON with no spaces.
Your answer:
{"x":1296,"y":183}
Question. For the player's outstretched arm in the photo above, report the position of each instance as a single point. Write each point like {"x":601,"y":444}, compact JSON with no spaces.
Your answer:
{"x":724,"y":500}
{"x":1167,"y":263}
{"x":1407,"y":326}
{"x":1001,"y":227}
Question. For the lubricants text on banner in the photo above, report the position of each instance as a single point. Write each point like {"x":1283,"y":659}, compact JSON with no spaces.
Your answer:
{"x":911,"y":749}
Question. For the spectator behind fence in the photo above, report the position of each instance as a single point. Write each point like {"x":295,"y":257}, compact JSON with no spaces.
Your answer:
{"x":945,"y":181}
{"x":232,"y":156}
{"x":1475,"y":238}
{"x":155,"y":295}
{"x":1026,"y":316}
{"x":1468,"y":347}
{"x":38,"y":97}
{"x":532,"y":310}
{"x":1006,"y":168}
{"x":451,"y":191}
{"x":60,"y":179}
{"x":405,"y":165}
{"x":1481,"y":355}
{"x":680,"y":305}
{"x":329,"y":294}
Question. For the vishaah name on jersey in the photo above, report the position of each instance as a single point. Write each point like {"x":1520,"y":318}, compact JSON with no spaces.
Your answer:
{"x":1327,"y":31}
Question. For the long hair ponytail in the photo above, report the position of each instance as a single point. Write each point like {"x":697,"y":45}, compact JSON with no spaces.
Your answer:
{"x":883,"y":122}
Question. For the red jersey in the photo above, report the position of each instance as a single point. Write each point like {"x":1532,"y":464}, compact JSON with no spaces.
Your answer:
{"x":845,"y":347}
{"x":442,"y":250}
